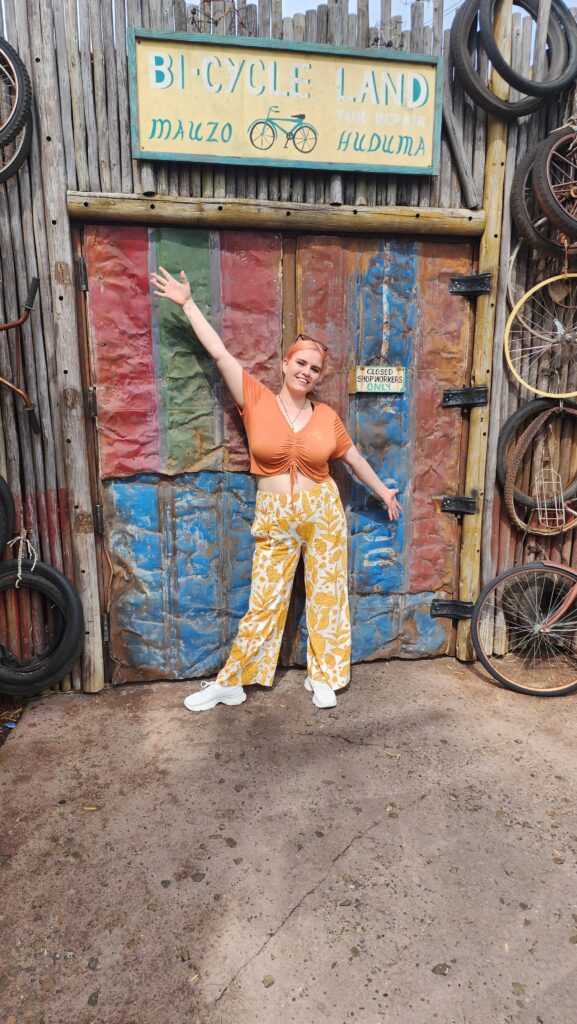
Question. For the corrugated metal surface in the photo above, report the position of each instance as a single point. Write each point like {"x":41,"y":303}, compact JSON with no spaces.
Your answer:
{"x":180,"y":543}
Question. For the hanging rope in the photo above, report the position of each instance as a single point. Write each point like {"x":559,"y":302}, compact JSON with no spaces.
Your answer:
{"x":25,"y":550}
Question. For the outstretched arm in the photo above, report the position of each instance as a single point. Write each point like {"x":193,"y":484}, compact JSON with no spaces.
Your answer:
{"x":360,"y":467}
{"x":167,"y":287}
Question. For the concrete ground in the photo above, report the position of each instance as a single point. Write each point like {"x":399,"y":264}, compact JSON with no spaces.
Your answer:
{"x":408,"y":856}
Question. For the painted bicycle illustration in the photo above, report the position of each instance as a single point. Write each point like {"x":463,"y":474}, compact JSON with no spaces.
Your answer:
{"x":265,"y":131}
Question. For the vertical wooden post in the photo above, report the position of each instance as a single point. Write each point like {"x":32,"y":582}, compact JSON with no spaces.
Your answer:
{"x":495,"y":161}
{"x":67,"y":357}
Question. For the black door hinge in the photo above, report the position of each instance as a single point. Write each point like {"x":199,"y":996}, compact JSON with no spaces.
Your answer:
{"x":464,"y":398}
{"x":451,"y":609}
{"x":99,"y":519}
{"x":470,"y":284}
{"x":458,"y":505}
{"x":106,"y":628}
{"x":82,"y":274}
{"x":92,"y":403}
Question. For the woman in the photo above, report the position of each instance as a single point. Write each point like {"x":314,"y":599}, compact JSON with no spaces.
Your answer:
{"x":298,"y":509}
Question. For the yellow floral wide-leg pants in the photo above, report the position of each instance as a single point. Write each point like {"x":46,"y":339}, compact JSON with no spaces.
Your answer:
{"x":311,"y":522}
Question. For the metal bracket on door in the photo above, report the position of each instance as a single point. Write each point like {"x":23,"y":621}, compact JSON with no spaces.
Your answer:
{"x":458,"y":505}
{"x":106,"y":628}
{"x":470,"y":284}
{"x":451,"y":609}
{"x":99,"y":520}
{"x":464,"y":398}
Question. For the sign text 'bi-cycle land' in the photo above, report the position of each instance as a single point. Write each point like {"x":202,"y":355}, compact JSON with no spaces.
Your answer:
{"x":245,"y":101}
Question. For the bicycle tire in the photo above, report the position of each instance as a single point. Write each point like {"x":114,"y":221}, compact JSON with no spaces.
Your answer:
{"x":301,"y":131}
{"x":508,"y":327}
{"x":13,"y":67}
{"x":472,"y":83}
{"x":547,"y":199}
{"x":552,"y":86}
{"x":528,"y":228}
{"x":20,"y":154}
{"x":36,"y":675}
{"x":515,"y":422}
{"x":485,"y":629}
{"x":259,"y":124}
{"x":7,"y":514}
{"x":535,"y":529}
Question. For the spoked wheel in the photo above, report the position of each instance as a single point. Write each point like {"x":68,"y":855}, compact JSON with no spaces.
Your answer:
{"x":511,"y":636}
{"x":555,"y":179}
{"x":15,"y":92}
{"x":544,"y":414}
{"x":14,"y":153}
{"x":262,"y":134}
{"x":305,"y":138}
{"x":541,"y":338}
{"x":532,"y":225}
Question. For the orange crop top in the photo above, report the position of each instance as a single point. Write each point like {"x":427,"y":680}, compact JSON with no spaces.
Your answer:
{"x":275,"y":448}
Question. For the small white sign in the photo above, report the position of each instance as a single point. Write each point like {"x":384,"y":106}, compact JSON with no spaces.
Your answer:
{"x":380,"y":378}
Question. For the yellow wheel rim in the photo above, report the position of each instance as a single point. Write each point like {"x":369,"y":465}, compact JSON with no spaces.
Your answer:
{"x":511,"y":321}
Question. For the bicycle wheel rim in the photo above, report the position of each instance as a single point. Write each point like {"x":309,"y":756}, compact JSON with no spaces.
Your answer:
{"x":264,"y":139}
{"x":14,"y":153}
{"x":15,"y":92}
{"x":506,"y":636}
{"x":562,"y":181}
{"x":506,"y":445}
{"x":532,"y":226}
{"x":554,"y":355}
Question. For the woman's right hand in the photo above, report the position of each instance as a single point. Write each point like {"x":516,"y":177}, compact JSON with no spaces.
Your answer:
{"x":167,"y":287}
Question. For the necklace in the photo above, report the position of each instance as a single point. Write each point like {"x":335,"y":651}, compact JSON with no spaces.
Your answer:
{"x":292,"y":422}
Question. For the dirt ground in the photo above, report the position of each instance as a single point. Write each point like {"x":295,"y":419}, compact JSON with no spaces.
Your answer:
{"x":408,"y":856}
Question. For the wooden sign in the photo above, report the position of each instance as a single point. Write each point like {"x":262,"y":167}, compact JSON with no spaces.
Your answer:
{"x":248,"y":101}
{"x":380,"y":378}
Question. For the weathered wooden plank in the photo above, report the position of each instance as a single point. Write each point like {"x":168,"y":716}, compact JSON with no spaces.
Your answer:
{"x":229,"y":213}
{"x":77,"y":28}
{"x":66,"y":349}
{"x":123,"y":107}
{"x":336,"y":36}
{"x":95,"y":52}
{"x":362,"y":24}
{"x":65,"y":96}
{"x":497,"y":134}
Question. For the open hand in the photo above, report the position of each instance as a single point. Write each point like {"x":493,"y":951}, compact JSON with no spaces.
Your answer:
{"x":391,"y":503}
{"x":167,"y":287}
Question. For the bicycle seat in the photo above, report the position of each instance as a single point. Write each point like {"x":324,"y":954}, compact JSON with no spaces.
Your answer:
{"x":298,"y":117}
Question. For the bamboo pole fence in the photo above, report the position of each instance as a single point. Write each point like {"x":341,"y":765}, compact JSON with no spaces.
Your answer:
{"x":81,"y":167}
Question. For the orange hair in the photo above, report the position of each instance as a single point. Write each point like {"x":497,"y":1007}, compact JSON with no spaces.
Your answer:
{"x":303,"y":342}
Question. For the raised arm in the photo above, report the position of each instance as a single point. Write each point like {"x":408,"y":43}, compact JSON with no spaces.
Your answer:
{"x":167,"y":287}
{"x":366,"y":474}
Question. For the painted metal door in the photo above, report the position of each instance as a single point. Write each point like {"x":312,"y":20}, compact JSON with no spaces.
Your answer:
{"x":172,"y":458}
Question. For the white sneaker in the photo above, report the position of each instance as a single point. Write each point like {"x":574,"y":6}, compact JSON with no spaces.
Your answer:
{"x":212,"y":693}
{"x":323,"y":696}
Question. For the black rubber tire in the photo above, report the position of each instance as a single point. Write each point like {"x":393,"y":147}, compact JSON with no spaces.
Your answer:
{"x":36,"y":675}
{"x":554,"y":84}
{"x":491,"y":669}
{"x":536,"y":237}
{"x":516,"y":423}
{"x":545,"y":197}
{"x":472,"y":83}
{"x":16,"y":118}
{"x":11,"y":162}
{"x":7,"y":514}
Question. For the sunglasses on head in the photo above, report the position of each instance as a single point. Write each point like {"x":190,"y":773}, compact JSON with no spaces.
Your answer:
{"x":307,"y":337}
